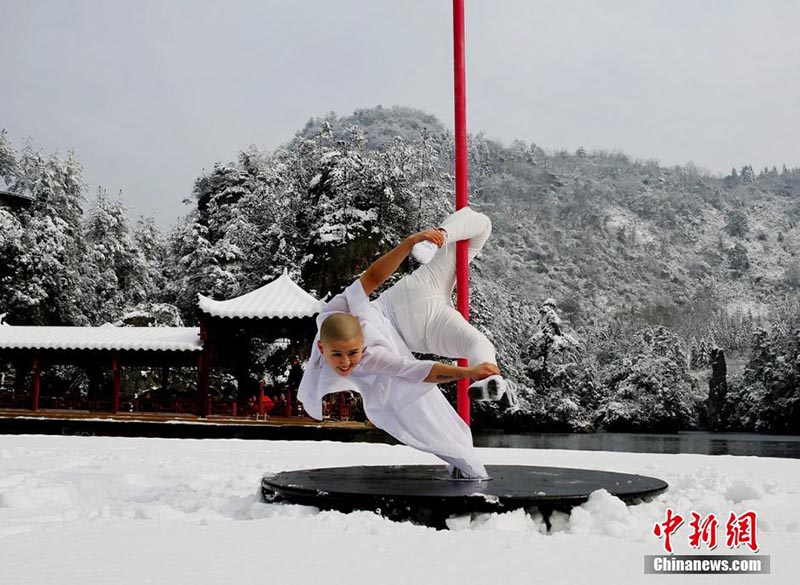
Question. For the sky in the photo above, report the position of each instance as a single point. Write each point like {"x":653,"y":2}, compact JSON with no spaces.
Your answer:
{"x":149,"y":94}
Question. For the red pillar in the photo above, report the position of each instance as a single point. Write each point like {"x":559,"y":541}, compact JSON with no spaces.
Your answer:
{"x":36,"y":383}
{"x":462,"y":260}
{"x":203,"y":374}
{"x":117,"y":385}
{"x":288,"y":410}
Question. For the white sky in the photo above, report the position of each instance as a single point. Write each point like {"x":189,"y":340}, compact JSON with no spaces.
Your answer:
{"x":150,"y":93}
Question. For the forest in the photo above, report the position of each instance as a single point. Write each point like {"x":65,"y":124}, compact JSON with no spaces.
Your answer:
{"x":621,"y":295}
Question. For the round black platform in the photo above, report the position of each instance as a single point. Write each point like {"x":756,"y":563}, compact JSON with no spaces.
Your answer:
{"x":418,"y":493}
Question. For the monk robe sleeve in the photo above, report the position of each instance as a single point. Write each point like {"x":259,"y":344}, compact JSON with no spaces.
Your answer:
{"x":380,"y":361}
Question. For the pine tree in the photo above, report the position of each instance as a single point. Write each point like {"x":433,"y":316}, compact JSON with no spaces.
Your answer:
{"x":205,"y":260}
{"x":737,"y":225}
{"x":12,"y":258}
{"x":562,"y":378}
{"x":149,"y":247}
{"x":747,"y":174}
{"x":50,"y":275}
{"x":356,"y":202}
{"x":9,"y":169}
{"x":116,"y":275}
{"x":767,"y":398}
{"x":12,"y":231}
{"x":549,"y":342}
{"x":648,"y":386}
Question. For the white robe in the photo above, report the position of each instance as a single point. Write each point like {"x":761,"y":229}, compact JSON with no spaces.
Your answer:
{"x":391,"y":383}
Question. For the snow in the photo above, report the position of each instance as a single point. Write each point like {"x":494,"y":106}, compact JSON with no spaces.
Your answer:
{"x":280,"y":298}
{"x":620,"y":218}
{"x":98,"y":510}
{"x":104,"y":337}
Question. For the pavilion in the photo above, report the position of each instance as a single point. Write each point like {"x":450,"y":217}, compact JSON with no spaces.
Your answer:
{"x":277,"y":310}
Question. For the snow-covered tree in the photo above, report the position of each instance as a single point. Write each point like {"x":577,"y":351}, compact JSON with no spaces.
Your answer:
{"x":149,"y":245}
{"x":648,"y":386}
{"x":562,"y":377}
{"x":9,"y":169}
{"x":12,"y":232}
{"x":739,"y":261}
{"x":150,"y":314}
{"x":49,"y":275}
{"x":766,"y":397}
{"x":549,"y":343}
{"x":737,"y":225}
{"x":354,"y":202}
{"x":264,"y":226}
{"x":204,"y":258}
{"x":12,"y":253}
{"x":118,"y":276}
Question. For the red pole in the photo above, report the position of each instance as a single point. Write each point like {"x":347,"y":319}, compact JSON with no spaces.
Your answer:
{"x":204,"y":374}
{"x":462,"y":260}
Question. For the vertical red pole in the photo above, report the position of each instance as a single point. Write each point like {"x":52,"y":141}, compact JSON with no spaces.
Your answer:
{"x":204,"y":374}
{"x":462,"y":200}
{"x":288,"y":409}
{"x":37,"y":377}
{"x":117,"y":385}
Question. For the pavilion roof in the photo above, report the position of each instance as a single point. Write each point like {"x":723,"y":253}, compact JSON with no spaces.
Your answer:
{"x":281,"y":298}
{"x":107,"y":337}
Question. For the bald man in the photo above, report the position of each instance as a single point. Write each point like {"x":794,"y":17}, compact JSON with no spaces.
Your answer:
{"x":367,"y":347}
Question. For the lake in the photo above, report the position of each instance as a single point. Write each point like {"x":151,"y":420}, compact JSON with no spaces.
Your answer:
{"x":699,"y":442}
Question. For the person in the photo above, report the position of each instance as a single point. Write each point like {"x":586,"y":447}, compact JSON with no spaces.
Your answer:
{"x":295,"y":373}
{"x":293,"y":383}
{"x":367,"y":346}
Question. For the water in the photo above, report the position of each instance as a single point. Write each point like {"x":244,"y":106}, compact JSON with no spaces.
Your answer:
{"x":699,"y":442}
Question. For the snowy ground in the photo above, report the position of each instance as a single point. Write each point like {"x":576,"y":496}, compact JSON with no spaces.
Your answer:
{"x":97,"y":510}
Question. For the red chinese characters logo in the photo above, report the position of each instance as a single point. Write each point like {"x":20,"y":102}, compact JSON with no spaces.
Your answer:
{"x":703,"y":530}
{"x":739,"y":530}
{"x":668,"y":528}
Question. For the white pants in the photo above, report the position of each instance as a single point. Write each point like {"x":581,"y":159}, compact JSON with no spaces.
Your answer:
{"x":420,"y":305}
{"x":420,"y":308}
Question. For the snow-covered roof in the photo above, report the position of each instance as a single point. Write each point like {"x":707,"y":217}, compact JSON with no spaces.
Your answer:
{"x":21,"y":196}
{"x":281,"y":298}
{"x":105,"y":337}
